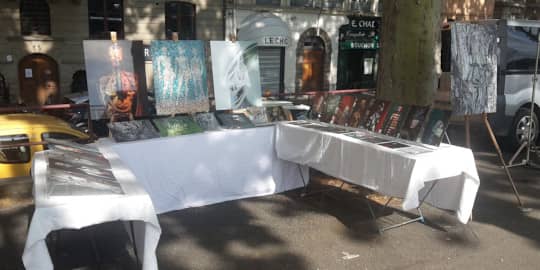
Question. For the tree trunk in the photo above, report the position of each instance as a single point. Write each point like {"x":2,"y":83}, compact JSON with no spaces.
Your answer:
{"x":409,"y":55}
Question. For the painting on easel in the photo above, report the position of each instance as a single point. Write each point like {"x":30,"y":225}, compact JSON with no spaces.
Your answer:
{"x":116,"y":79}
{"x":474,"y":68}
{"x":180,"y":84}
{"x":235,"y":68}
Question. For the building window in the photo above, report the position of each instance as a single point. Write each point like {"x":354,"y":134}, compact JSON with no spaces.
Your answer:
{"x":268,"y":2}
{"x":271,"y":63}
{"x":105,"y":16}
{"x":180,"y":18}
{"x":327,"y":4}
{"x":35,"y":17}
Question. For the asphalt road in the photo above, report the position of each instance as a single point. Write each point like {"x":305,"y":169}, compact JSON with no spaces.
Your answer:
{"x":334,"y":231}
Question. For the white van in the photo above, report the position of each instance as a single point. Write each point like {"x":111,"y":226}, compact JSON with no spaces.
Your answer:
{"x":518,"y":41}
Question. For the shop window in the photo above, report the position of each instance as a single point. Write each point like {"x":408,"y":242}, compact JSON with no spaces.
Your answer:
{"x":35,"y":17}
{"x":13,"y":150}
{"x":105,"y":16}
{"x":271,"y":63}
{"x":180,"y":18}
{"x":57,"y":136}
{"x":268,"y":2}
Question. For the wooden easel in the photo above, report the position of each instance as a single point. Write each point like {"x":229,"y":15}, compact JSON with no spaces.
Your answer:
{"x":499,"y":153}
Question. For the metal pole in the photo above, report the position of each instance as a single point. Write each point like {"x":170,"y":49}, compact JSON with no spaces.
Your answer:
{"x":531,"y":122}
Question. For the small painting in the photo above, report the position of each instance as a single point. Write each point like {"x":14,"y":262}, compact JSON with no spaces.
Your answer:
{"x":436,"y":124}
{"x":175,"y":126}
{"x":180,"y":84}
{"x":132,"y":130}
{"x":413,"y":123}
{"x":343,"y":114}
{"x":234,"y":120}
{"x":207,"y":121}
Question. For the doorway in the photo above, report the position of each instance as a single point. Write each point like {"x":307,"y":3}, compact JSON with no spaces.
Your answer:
{"x":38,"y":80}
{"x":313,"y":64}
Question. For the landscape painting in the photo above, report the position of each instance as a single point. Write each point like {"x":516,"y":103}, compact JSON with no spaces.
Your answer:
{"x":116,"y":79}
{"x":474,"y":52}
{"x":175,"y":126}
{"x":180,"y":77}
{"x":236,"y":75}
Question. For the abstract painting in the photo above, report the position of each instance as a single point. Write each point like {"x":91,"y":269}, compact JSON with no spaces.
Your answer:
{"x":332,"y":106}
{"x":377,"y":113}
{"x":257,"y":115}
{"x":207,"y":121}
{"x":341,"y":117}
{"x":180,"y":80}
{"x":318,"y":103}
{"x":395,"y":119}
{"x":116,"y":79}
{"x":236,"y":76}
{"x":474,"y":68}
{"x":175,"y":126}
{"x":436,"y":124}
{"x":413,"y":123}
{"x":360,"y":109}
{"x":132,"y":130}
{"x":234,"y":120}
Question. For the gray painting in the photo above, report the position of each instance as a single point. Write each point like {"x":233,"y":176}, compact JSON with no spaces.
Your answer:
{"x":474,"y":68}
{"x":132,"y":130}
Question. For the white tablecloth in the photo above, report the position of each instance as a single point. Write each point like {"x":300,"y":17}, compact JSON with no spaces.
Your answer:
{"x":75,"y":212}
{"x":205,"y":168}
{"x":386,"y":170}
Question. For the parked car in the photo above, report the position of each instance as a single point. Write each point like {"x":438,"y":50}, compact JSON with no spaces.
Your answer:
{"x":518,"y":40}
{"x":21,"y":136}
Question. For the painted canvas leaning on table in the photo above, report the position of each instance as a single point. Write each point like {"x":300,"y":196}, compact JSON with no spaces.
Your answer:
{"x":179,"y":76}
{"x":115,"y":75}
{"x":474,"y":68}
{"x":235,"y":68}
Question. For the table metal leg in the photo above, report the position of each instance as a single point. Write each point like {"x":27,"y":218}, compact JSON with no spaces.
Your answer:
{"x":132,"y":229}
{"x":419,"y":218}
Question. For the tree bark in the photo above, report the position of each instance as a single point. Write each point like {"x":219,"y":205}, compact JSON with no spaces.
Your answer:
{"x":409,"y":54}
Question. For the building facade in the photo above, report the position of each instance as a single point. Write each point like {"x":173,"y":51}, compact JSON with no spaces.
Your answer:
{"x":41,"y":41}
{"x":299,"y":42}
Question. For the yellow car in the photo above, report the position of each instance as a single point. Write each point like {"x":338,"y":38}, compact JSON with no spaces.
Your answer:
{"x":21,"y":135}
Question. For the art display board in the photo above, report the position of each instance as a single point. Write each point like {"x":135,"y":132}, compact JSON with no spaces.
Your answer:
{"x":474,"y":68}
{"x":176,"y":126}
{"x":236,"y":75}
{"x":116,"y":79}
{"x":180,"y":77}
{"x":132,"y":130}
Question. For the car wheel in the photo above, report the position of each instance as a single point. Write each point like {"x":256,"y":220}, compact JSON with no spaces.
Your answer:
{"x":520,"y":128}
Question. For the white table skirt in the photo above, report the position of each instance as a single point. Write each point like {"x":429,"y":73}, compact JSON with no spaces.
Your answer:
{"x":206,"y":168}
{"x":75,"y":212}
{"x":386,"y":170}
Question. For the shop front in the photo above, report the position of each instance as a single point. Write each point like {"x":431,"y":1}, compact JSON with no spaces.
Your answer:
{"x":272,"y":36}
{"x":358,"y":53}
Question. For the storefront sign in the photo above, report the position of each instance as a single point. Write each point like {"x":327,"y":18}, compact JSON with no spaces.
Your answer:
{"x":351,"y":45}
{"x":364,"y":22}
{"x":274,"y":41}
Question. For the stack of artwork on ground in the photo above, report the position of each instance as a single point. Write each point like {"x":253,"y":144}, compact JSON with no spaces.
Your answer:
{"x":115,"y":76}
{"x":236,"y":76}
{"x":474,"y":68}
{"x":180,"y":80}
